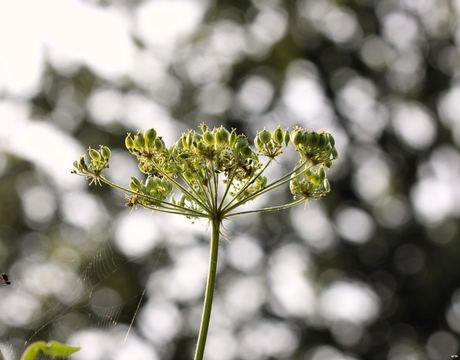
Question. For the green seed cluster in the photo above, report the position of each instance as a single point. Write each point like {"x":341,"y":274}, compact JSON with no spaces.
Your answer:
{"x":99,"y":161}
{"x":271,"y":145}
{"x":318,"y":150}
{"x":216,"y":170}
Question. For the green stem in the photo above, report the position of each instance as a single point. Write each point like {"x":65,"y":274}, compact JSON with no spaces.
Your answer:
{"x":208,"y":296}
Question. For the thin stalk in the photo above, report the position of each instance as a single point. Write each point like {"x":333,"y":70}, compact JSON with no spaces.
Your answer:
{"x":209,"y":294}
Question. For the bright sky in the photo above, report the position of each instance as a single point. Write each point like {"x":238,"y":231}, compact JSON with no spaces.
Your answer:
{"x":70,"y":33}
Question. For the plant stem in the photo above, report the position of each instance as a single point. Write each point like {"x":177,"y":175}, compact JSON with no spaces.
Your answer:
{"x":210,"y":283}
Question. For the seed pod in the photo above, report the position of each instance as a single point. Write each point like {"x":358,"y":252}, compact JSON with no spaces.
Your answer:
{"x":188,"y":175}
{"x":335,"y":154}
{"x":204,"y":127}
{"x":105,"y":151}
{"x":312,"y":139}
{"x":150,"y":135}
{"x":159,"y":144}
{"x":258,"y":143}
{"x":139,"y":141}
{"x":149,"y":183}
{"x":309,"y":174}
{"x":224,"y":135}
{"x":296,"y":137}
{"x":246,"y":152}
{"x":327,"y":185}
{"x":321,"y":174}
{"x":322,"y":143}
{"x":315,"y":179}
{"x":262,"y":181}
{"x":278,"y":136}
{"x":208,"y":137}
{"x":331,"y":139}
{"x":83,"y":163}
{"x":286,"y":137}
{"x":136,"y":182}
{"x":265,"y":136}
{"x":95,"y":155}
{"x":133,"y":186}
{"x":232,"y":138}
{"x":129,"y":143}
{"x":201,"y":147}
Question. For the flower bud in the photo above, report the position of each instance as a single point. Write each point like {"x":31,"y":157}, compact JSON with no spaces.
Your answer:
{"x":278,"y":136}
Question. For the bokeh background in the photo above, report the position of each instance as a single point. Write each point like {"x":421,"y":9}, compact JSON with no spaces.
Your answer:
{"x":370,"y":272}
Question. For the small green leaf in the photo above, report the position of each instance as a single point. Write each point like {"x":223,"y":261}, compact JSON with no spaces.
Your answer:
{"x":53,"y":348}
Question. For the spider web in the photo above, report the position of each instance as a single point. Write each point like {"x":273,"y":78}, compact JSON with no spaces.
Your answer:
{"x":80,"y":308}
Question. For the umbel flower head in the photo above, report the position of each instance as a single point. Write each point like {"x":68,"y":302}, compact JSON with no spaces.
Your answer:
{"x":213,"y":172}
{"x":216,"y":171}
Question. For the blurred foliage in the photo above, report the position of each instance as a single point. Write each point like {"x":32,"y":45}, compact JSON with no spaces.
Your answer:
{"x":380,"y":65}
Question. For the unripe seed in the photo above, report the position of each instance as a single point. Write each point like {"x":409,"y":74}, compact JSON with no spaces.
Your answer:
{"x":296,"y":137}
{"x":188,"y":175}
{"x":139,"y":141}
{"x":327,"y":185}
{"x":315,"y":179}
{"x":258,"y":143}
{"x":224,"y":134}
{"x":322,"y":141}
{"x":232,"y":138}
{"x":312,"y":139}
{"x":278,"y":136}
{"x":136,"y":181}
{"x":204,"y":128}
{"x":335,"y":154}
{"x":159,"y":144}
{"x":95,"y":155}
{"x":133,"y":186}
{"x":286,"y":137}
{"x":105,"y":151}
{"x":265,"y":136}
{"x":331,"y":139}
{"x":129,"y":143}
{"x":208,"y":137}
{"x":246,"y":152}
{"x":150,"y":135}
{"x":321,"y":174}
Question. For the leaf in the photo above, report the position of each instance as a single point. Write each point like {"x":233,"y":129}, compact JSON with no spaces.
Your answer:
{"x":53,"y":348}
